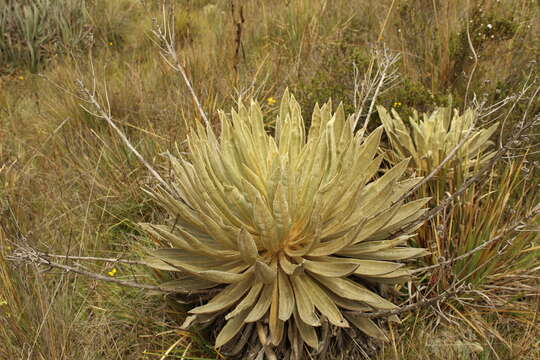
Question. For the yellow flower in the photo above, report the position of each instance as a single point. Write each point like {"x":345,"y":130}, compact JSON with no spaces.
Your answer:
{"x":271,"y":100}
{"x":21,"y":77}
{"x":110,"y":43}
{"x":396,"y":104}
{"x":112,"y":272}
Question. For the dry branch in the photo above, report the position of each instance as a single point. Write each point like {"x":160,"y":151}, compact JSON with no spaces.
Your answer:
{"x":167,"y":45}
{"x":30,"y":256}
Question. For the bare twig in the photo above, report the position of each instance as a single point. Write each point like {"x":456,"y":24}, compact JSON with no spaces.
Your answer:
{"x":370,"y":87}
{"x":92,"y":258}
{"x":30,"y":256}
{"x":105,"y":113}
{"x":167,"y":44}
{"x":471,"y":46}
{"x":444,"y":296}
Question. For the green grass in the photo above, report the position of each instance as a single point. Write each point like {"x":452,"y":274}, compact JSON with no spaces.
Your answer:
{"x":69,"y":185}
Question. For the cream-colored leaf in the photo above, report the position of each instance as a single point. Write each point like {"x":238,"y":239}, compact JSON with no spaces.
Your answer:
{"x":323,"y":302}
{"x":286,"y":297}
{"x":304,"y":302}
{"x":333,"y":246}
{"x":262,"y":305}
{"x":400,"y":253}
{"x":247,"y":302}
{"x":225,"y":298}
{"x":219,"y":276}
{"x":281,"y":210}
{"x":368,"y":247}
{"x":264,"y":272}
{"x":374,"y":267}
{"x":306,"y":331}
{"x":330,"y":266}
{"x":353,"y":291}
{"x":287,"y":266}
{"x":275,"y":324}
{"x":188,"y":284}
{"x":395,"y":277}
{"x":247,"y":247}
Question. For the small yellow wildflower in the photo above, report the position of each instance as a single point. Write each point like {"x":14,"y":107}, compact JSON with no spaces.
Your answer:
{"x":110,"y":43}
{"x":396,"y":104}
{"x":21,"y":77}
{"x":271,"y":100}
{"x":112,"y":272}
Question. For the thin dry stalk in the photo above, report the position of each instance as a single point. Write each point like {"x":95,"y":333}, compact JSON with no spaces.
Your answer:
{"x":105,"y":113}
{"x":30,"y":256}
{"x":373,"y":83}
{"x":167,"y":45}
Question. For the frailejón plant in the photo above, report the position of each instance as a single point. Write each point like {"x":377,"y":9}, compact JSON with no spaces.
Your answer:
{"x":429,"y":140}
{"x":287,"y":232}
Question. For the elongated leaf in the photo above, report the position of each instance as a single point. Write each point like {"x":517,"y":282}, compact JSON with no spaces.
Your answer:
{"x":323,"y":302}
{"x":286,"y":297}
{"x":367,"y":326}
{"x":246,"y":302}
{"x":247,"y":247}
{"x":188,"y":284}
{"x":304,"y":302}
{"x":307,"y":332}
{"x":368,"y":247}
{"x":331,"y":266}
{"x":400,"y":253}
{"x":287,"y":266}
{"x":281,"y":211}
{"x":374,"y":267}
{"x":262,"y":305}
{"x":275,"y":324}
{"x":264,"y":272}
{"x":335,"y":245}
{"x":224,"y":299}
{"x":211,"y":275}
{"x":231,"y":328}
{"x":350,"y":290}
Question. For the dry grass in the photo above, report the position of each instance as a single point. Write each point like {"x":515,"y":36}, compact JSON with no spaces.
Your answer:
{"x":69,"y":185}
